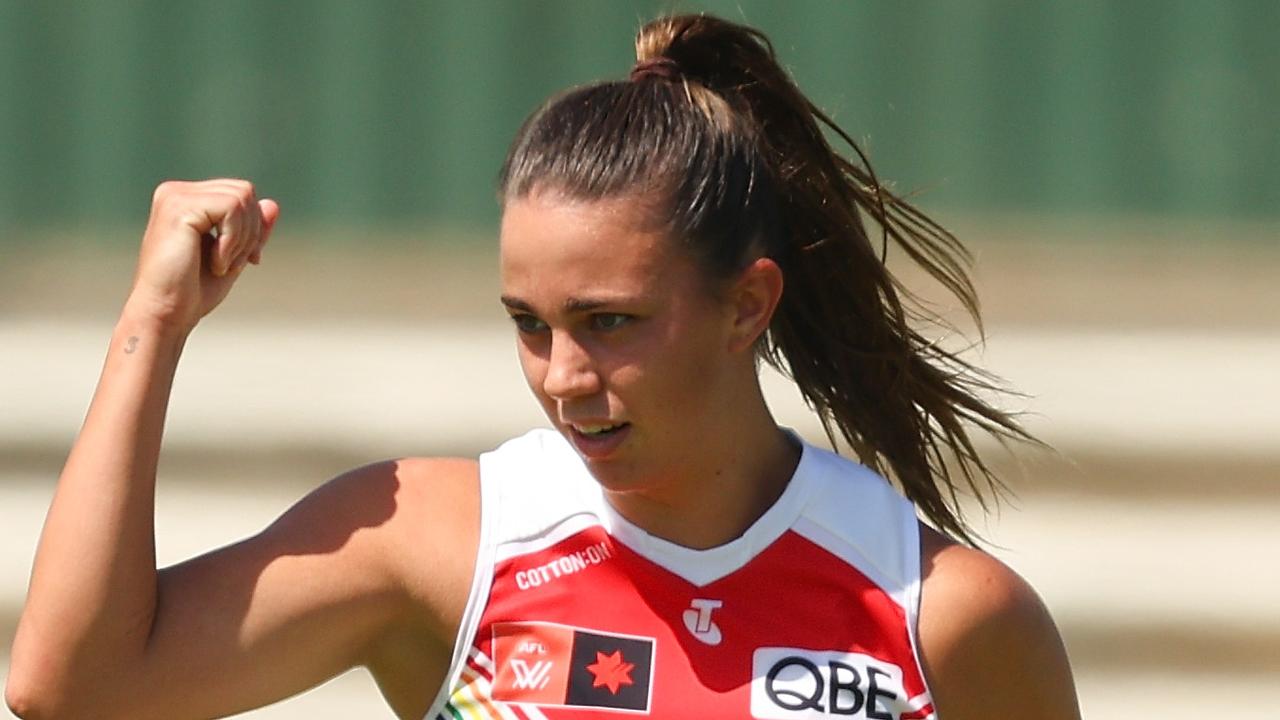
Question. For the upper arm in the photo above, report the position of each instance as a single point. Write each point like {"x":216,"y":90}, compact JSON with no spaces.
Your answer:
{"x":988,"y":645}
{"x":384,"y":547}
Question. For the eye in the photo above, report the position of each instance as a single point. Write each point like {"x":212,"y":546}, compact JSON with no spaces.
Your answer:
{"x":609,"y":321}
{"x":527,"y":323}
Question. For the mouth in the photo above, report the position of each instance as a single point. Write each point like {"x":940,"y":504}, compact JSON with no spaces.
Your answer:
{"x":597,"y":441}
{"x":597,"y":429}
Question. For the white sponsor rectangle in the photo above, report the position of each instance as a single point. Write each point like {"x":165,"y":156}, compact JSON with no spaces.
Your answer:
{"x":796,"y":684}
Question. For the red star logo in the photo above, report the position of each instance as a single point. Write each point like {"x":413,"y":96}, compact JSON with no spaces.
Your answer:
{"x":611,"y":672}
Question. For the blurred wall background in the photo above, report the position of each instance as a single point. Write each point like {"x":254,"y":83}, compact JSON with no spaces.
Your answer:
{"x":401,"y":110}
{"x":1114,"y":167}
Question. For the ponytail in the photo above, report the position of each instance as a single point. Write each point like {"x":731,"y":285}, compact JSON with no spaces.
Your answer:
{"x":709,"y":118}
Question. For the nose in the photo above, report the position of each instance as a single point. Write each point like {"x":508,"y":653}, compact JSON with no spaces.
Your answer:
{"x":571,"y":372}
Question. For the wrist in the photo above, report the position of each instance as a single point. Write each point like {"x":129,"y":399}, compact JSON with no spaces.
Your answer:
{"x":142,"y":317}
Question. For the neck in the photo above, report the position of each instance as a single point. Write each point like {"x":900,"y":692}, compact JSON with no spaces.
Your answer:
{"x":716,"y":497}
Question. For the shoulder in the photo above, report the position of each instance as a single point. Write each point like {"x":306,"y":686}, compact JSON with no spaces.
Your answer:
{"x":424,"y":484}
{"x":433,"y":525}
{"x":987,"y":643}
{"x":415,"y":494}
{"x":413,"y":521}
{"x":378,"y":501}
{"x":380,"y":560}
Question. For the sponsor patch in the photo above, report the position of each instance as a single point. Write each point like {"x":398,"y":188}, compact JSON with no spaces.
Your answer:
{"x":560,"y":665}
{"x":564,"y":565}
{"x":698,"y":620}
{"x":794,"y":683}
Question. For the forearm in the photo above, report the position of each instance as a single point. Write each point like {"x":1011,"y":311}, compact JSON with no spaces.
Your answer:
{"x":93,"y":588}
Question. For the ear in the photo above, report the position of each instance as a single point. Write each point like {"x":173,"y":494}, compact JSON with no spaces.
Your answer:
{"x":752,"y":299}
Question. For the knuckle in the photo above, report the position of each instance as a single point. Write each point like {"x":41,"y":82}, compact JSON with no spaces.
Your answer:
{"x":245,"y":190}
{"x":189,"y":217}
{"x":163,"y":191}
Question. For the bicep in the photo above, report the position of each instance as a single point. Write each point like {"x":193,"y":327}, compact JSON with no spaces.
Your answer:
{"x":988,"y":644}
{"x":282,"y":611}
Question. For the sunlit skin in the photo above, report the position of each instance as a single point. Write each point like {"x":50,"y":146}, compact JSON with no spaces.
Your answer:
{"x":375,"y":567}
{"x":616,"y":323}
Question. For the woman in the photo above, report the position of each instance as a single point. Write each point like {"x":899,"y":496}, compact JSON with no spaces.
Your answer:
{"x":668,"y":549}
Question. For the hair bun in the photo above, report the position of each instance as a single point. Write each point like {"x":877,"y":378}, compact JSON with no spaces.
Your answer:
{"x":657,"y":67}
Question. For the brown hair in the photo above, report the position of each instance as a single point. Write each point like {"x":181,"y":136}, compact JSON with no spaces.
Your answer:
{"x":711,"y":123}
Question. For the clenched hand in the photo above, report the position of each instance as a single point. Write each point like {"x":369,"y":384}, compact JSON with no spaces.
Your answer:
{"x":198,"y":240}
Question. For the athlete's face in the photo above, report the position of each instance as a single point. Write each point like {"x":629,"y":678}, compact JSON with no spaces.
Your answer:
{"x":619,"y":335}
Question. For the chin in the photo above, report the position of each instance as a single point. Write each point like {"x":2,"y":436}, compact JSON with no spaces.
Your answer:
{"x":617,"y":475}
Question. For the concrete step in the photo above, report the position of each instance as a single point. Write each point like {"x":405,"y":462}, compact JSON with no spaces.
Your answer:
{"x":1148,"y":571}
{"x":1103,"y":696}
{"x":1164,"y":575}
{"x":395,"y":388}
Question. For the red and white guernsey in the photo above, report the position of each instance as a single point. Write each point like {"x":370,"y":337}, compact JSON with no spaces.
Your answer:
{"x":576,"y":613}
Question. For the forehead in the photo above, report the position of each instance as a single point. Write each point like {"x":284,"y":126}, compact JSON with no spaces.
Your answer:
{"x":549,"y":244}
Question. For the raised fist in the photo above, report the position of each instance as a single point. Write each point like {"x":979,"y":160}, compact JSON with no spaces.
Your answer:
{"x":198,"y":239}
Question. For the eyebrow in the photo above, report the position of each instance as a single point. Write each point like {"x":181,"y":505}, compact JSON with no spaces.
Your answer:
{"x":573,"y":304}
{"x":516,"y":304}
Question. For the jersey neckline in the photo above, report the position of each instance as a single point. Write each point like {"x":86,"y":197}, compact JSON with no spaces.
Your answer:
{"x":703,"y":567}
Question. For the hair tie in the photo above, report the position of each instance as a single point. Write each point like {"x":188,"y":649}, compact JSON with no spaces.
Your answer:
{"x":661,"y":67}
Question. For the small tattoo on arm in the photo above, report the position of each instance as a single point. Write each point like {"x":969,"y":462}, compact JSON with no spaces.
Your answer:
{"x":133,"y":344}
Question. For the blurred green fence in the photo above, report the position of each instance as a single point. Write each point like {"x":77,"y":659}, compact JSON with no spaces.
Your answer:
{"x":397,"y":111}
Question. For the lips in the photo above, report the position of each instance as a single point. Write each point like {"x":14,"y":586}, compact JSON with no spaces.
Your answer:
{"x":597,"y":441}
{"x":596,"y":428}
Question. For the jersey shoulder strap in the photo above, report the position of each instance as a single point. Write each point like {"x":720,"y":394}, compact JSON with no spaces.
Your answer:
{"x":535,"y":484}
{"x":857,"y":515}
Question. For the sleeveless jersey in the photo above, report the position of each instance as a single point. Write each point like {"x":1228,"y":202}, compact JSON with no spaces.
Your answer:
{"x":576,"y":613}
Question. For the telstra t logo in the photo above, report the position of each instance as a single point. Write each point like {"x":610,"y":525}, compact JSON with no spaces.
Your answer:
{"x":697,"y":619}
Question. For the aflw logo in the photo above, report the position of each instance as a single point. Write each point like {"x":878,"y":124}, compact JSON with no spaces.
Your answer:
{"x":553,"y":665}
{"x":531,"y":677}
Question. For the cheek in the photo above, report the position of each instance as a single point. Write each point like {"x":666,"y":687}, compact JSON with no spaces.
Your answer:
{"x":694,"y":383}
{"x":533,"y":365}
{"x":687,"y":372}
